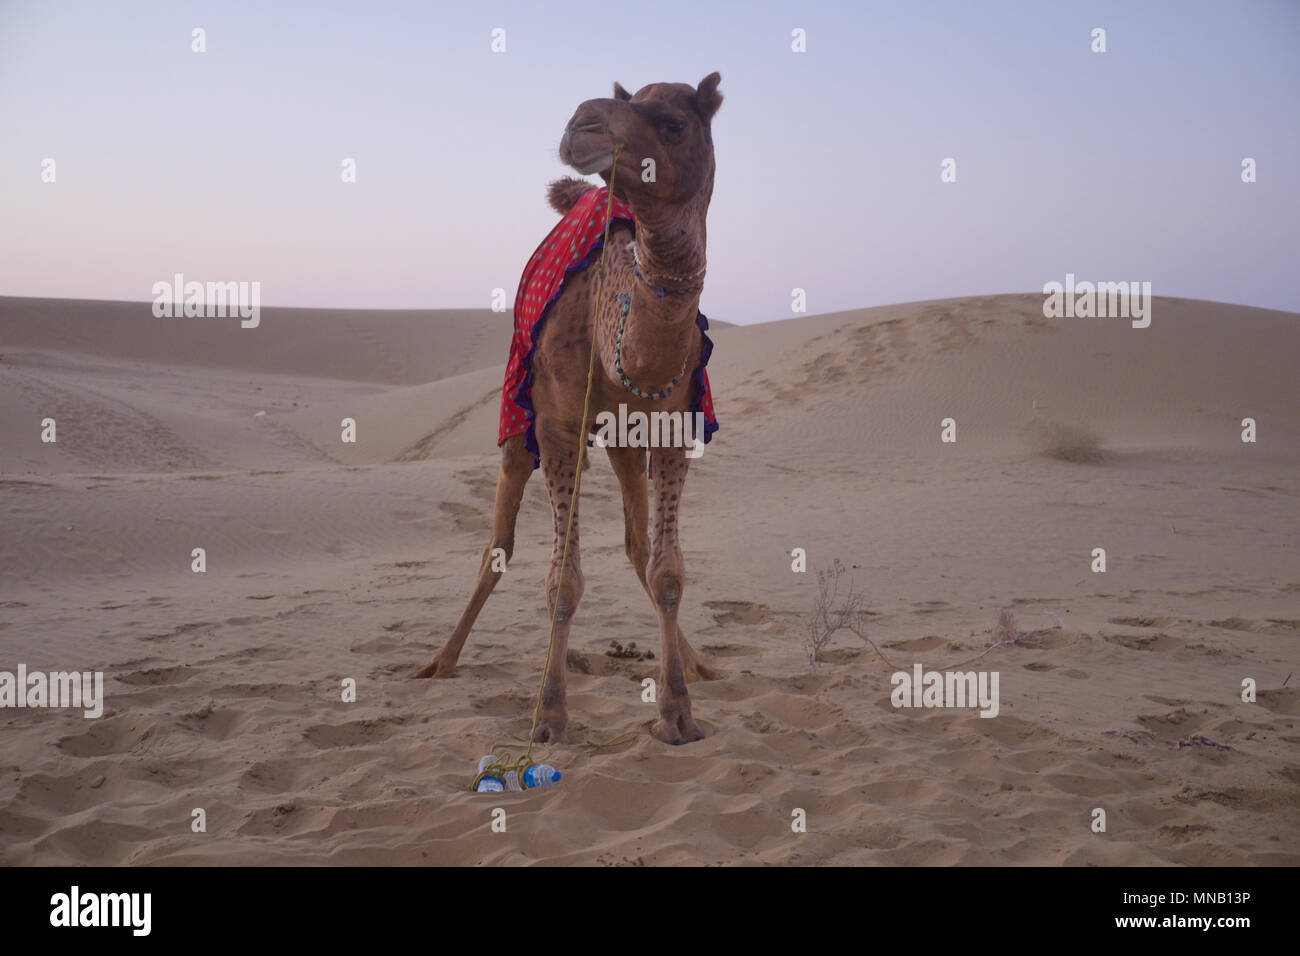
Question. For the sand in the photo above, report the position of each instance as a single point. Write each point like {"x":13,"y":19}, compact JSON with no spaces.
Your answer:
{"x":328,"y":561}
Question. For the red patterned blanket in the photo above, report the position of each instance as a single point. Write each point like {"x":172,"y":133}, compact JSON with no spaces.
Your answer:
{"x":569,"y":247}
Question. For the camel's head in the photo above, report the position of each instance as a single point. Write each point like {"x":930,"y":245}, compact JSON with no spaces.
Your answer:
{"x":664,"y":122}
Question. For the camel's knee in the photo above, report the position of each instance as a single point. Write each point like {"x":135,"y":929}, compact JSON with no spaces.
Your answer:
{"x":567,"y":602}
{"x":563,"y":600}
{"x":666,"y":586}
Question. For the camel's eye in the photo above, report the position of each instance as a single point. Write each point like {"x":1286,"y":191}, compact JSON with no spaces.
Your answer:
{"x":674,"y":128}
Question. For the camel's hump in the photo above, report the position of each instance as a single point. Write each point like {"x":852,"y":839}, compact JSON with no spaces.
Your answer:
{"x":563,"y":193}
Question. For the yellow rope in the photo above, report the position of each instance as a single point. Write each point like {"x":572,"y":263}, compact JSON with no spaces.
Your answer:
{"x":505,"y":759}
{"x":617,"y":741}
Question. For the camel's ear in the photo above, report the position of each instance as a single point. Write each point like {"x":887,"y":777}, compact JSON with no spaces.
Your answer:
{"x":707,"y":97}
{"x":620,"y":93}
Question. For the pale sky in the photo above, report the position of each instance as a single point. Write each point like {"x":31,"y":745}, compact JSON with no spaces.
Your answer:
{"x":225,"y":165}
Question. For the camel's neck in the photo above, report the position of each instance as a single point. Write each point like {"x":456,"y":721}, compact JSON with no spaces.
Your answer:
{"x":659,"y":334}
{"x":672,"y":249}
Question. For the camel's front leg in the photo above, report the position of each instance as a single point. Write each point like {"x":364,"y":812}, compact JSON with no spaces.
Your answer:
{"x":666,"y":577}
{"x":629,"y":466}
{"x":559,"y":453}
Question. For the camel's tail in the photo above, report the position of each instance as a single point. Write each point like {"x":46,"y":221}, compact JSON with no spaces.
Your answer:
{"x":563,"y":193}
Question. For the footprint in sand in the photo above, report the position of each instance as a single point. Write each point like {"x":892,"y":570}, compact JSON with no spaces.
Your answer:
{"x":159,"y":675}
{"x":1284,"y":700}
{"x":110,"y":735}
{"x":1146,"y":621}
{"x":356,"y":733}
{"x":730,"y":650}
{"x":1145,"y":642}
{"x":465,"y":517}
{"x":738,"y":612}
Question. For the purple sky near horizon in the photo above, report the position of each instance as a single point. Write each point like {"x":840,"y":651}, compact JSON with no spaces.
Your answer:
{"x":225,"y":165}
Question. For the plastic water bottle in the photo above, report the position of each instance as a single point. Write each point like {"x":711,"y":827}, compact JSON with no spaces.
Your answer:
{"x":541,"y":775}
{"x":489,"y":784}
{"x":538,"y":775}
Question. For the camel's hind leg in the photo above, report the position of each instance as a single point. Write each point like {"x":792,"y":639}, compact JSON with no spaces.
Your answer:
{"x":516,"y":468}
{"x":629,"y":466}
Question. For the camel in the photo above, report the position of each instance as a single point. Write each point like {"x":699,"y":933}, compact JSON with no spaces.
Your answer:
{"x":649,"y":345}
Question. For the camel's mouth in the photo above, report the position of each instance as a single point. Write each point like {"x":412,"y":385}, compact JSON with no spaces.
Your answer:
{"x":588,"y":149}
{"x":597,"y":163}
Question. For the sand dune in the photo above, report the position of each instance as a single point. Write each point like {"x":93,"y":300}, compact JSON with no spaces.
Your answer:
{"x":329,"y":560}
{"x":401,"y":347}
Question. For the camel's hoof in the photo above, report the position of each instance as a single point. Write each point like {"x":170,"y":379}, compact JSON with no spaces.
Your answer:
{"x":435,"y":668}
{"x":551,"y":730}
{"x":676,"y":729}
